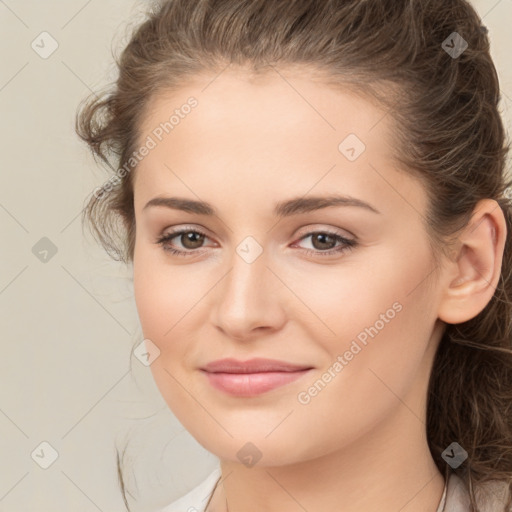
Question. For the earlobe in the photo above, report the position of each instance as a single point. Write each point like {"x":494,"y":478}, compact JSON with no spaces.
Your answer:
{"x":473,"y":274}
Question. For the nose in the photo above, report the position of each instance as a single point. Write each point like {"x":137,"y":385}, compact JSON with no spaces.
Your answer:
{"x":248,"y":300}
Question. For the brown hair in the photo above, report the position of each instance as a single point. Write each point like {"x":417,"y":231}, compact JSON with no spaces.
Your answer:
{"x":449,"y":135}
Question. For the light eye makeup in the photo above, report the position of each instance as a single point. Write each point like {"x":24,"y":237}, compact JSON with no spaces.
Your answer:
{"x":322,"y":235}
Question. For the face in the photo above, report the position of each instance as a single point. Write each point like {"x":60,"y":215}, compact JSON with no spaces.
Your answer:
{"x":343,"y":290}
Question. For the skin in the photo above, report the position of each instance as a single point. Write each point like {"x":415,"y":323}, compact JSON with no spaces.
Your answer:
{"x":360,"y":443}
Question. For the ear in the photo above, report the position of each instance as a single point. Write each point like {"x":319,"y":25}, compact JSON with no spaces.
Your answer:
{"x":471,"y":276}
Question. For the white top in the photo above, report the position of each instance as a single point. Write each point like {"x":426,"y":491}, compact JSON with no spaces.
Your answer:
{"x":455,"y":496}
{"x":197,"y":498}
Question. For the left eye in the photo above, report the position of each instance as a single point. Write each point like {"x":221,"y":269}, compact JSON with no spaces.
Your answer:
{"x":319,"y":238}
{"x":192,"y":240}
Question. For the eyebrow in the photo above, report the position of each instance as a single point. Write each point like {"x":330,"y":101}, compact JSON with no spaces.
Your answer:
{"x":286,"y":208}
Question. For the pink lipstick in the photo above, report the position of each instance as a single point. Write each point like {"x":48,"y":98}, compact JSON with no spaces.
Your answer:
{"x":252,"y":377}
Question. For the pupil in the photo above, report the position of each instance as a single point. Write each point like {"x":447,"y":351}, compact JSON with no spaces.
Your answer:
{"x":322,"y":237}
{"x":190,"y":237}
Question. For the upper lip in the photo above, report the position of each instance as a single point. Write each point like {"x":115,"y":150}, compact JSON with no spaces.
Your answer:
{"x":256,"y":365}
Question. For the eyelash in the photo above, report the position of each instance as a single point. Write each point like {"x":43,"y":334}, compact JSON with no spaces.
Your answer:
{"x":348,"y":245}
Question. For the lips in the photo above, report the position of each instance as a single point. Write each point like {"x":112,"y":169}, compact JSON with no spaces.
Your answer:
{"x":253,"y":377}
{"x":256,"y":365}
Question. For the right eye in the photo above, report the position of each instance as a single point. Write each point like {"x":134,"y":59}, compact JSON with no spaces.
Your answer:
{"x":191,"y":240}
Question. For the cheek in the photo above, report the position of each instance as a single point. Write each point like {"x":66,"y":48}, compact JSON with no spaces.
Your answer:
{"x":162,"y":305}
{"x":382,"y":359}
{"x":168,"y":300}
{"x":151,"y":309}
{"x":162,"y":293}
{"x":378,"y":317}
{"x":338,"y":302}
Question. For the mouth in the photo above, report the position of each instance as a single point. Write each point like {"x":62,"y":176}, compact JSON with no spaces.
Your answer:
{"x":253,"y":377}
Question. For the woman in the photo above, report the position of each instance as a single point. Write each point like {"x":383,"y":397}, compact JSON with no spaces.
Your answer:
{"x":314,"y":199}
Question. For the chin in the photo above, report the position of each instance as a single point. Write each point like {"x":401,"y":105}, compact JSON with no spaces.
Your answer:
{"x":254,"y":449}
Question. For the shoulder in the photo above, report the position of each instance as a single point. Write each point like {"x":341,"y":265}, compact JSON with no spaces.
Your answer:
{"x":490,"y":496}
{"x":197,"y":498}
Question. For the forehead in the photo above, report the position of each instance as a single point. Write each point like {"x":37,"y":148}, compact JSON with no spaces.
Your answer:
{"x":289,"y":96}
{"x":282,"y":131}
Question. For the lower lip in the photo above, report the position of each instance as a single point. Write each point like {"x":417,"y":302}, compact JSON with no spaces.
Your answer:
{"x":252,"y":384}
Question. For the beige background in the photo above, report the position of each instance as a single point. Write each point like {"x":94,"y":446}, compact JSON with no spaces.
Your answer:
{"x":68,"y":324}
